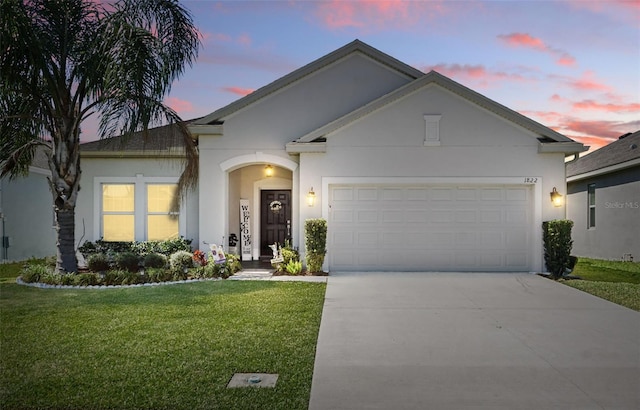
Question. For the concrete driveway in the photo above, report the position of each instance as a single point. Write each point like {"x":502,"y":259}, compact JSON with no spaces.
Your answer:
{"x":472,"y":341}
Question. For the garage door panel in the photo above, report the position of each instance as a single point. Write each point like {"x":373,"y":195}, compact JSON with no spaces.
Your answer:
{"x":396,"y":227}
{"x":442,"y":216}
{"x":389,"y":217}
{"x":367,"y":194}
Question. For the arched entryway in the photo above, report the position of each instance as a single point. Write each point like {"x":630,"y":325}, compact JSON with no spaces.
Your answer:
{"x":264,"y":186}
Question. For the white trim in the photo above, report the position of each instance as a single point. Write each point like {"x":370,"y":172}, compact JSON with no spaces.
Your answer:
{"x":39,"y":171}
{"x":257,"y":158}
{"x":432,"y":130}
{"x":140,"y":207}
{"x":605,"y":170}
{"x":536,"y":254}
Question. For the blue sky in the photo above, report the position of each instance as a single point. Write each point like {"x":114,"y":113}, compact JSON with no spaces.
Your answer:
{"x":572,"y":65}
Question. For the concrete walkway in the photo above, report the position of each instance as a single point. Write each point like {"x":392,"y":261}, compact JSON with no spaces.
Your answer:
{"x":472,"y":341}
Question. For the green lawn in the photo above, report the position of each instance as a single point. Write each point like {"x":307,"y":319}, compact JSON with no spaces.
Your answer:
{"x":164,"y":347}
{"x":618,"y":282}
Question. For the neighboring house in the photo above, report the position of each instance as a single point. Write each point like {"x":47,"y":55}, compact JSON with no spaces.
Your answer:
{"x":27,"y":220}
{"x":412,"y":171}
{"x":604,"y":200}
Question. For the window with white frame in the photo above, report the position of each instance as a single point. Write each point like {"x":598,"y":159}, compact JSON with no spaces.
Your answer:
{"x":137,"y":209}
{"x":162,"y":224}
{"x":118,"y":212}
{"x":591,"y":206}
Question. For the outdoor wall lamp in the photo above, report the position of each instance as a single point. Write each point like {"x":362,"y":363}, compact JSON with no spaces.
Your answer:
{"x":556,"y":198}
{"x":311,"y":197}
{"x":268,"y":170}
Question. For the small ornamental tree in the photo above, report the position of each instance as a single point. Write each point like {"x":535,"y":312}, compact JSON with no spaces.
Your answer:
{"x":556,"y":236}
{"x":315,"y":243}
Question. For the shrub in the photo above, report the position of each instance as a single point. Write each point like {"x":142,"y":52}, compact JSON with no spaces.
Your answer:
{"x":556,"y":236}
{"x":315,"y":243}
{"x":156,"y":275}
{"x":51,"y":278}
{"x":199,"y":257}
{"x":165,"y":248}
{"x":128,"y":261}
{"x":178,"y":273}
{"x":233,"y":262}
{"x":154,"y":260}
{"x":288,"y":255}
{"x":181,"y":260}
{"x":86,"y":279}
{"x":98,"y":262}
{"x":294,"y":267}
{"x":33,"y":272}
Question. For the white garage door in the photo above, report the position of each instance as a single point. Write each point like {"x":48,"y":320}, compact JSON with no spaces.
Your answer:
{"x":429,"y":228}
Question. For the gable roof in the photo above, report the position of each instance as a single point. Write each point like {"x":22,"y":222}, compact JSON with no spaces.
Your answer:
{"x":355,"y":46}
{"x":163,"y":140}
{"x":550,"y":140}
{"x":622,"y":153}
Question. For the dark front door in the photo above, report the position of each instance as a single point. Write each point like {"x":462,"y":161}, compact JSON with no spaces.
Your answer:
{"x":275,"y":219}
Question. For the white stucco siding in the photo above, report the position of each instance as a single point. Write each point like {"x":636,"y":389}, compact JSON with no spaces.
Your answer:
{"x":402,"y":124}
{"x":117,"y":170}
{"x":28,"y":220}
{"x":321,"y":97}
{"x":477,"y":149}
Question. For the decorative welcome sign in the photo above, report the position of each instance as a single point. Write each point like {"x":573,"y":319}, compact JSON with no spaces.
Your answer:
{"x":245,"y":230}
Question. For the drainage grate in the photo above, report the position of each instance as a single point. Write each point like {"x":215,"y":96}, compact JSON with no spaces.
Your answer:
{"x":253,"y":380}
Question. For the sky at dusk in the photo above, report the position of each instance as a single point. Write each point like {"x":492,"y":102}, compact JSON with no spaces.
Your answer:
{"x":571,"y":65}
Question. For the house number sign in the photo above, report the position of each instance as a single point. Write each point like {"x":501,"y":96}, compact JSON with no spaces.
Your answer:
{"x":530,"y":180}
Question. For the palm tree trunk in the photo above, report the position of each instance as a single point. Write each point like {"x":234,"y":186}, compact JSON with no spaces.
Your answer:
{"x":66,"y":253}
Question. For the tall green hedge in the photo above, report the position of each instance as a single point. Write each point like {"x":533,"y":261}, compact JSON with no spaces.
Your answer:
{"x":315,"y":240}
{"x":556,"y":236}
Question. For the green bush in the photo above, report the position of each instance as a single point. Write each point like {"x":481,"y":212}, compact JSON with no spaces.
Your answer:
{"x":556,"y":236}
{"x":181,"y":260}
{"x":294,"y":267}
{"x":315,"y":243}
{"x":33,"y":272}
{"x":86,"y":279}
{"x":156,"y":275}
{"x":141,"y":248}
{"x":128,"y":261}
{"x":98,"y":262}
{"x":178,"y":273}
{"x":233,"y":263}
{"x":154,"y":260}
{"x":165,"y":248}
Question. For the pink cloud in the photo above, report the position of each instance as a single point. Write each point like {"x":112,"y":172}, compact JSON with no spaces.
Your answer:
{"x":528,"y":41}
{"x":606,"y":107}
{"x":523,"y":40}
{"x":478,"y":74}
{"x":378,"y":14}
{"x":238,"y":90}
{"x":622,"y":10}
{"x":179,"y":105}
{"x":594,"y":133}
{"x":244,"y":39}
{"x":587,"y":82}
{"x":556,"y":98}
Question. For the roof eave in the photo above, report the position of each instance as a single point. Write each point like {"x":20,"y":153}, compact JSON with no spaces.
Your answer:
{"x":179,"y":153}
{"x":605,"y":170}
{"x":565,"y":147}
{"x":205,"y":129}
{"x":306,"y":147}
{"x":354,"y":46}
